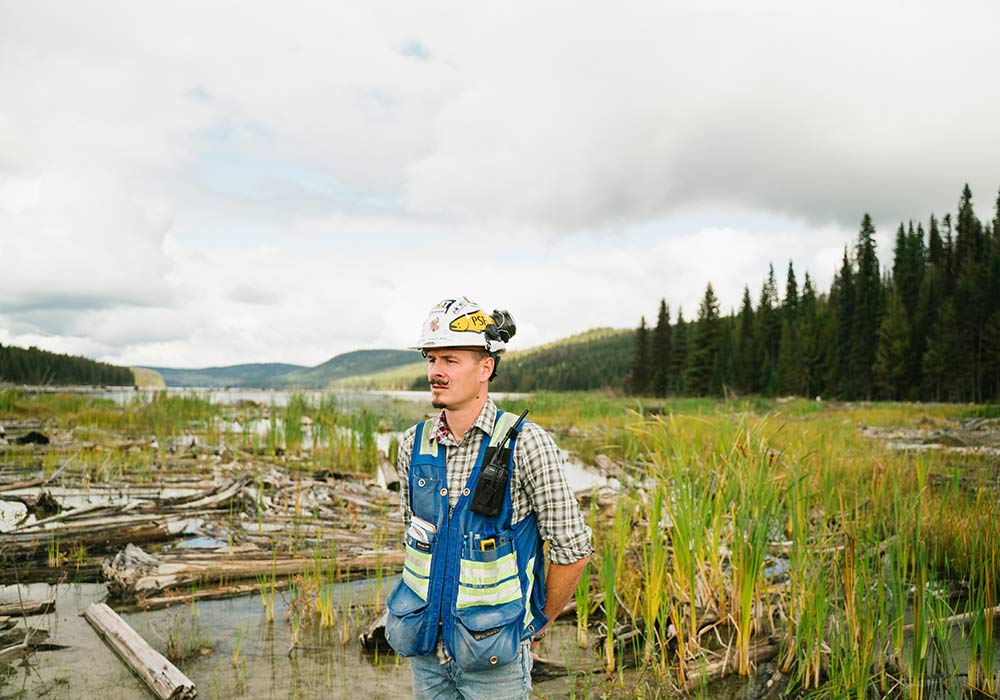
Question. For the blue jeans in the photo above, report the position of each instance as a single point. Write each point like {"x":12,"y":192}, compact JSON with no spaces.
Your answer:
{"x":433,"y":680}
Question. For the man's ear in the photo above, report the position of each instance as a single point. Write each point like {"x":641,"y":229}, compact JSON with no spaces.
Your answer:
{"x":487,"y":368}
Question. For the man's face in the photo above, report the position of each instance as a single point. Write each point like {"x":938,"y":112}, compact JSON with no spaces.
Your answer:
{"x":456,"y":375}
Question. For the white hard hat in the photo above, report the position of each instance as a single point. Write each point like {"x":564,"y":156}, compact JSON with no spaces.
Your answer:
{"x":461,"y":323}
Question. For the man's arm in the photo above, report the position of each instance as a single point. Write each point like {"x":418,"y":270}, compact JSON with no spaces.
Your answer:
{"x":539,"y":464}
{"x":403,"y":472}
{"x":560,"y":586}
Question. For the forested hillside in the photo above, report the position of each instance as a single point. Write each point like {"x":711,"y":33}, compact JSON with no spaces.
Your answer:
{"x":926,"y":326}
{"x":348,"y":364}
{"x":596,"y":359}
{"x":40,"y":367}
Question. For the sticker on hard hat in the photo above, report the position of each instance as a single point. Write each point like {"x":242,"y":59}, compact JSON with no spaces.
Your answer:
{"x":473,"y":323}
{"x":434,"y":325}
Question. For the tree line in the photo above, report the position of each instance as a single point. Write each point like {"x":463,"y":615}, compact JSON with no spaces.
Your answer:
{"x":596,"y":359}
{"x":925,"y":328}
{"x":40,"y":367}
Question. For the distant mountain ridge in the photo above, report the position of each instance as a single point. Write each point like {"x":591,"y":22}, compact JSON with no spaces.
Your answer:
{"x":253,"y":375}
{"x":276,"y":375}
{"x":596,"y":359}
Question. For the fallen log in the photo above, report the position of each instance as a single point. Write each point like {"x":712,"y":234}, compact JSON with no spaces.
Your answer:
{"x":25,"y":484}
{"x":65,"y":515}
{"x":961,"y":619}
{"x":133,"y":574}
{"x":162,"y":677}
{"x":760,"y":651}
{"x":168,"y":601}
{"x":28,"y":607}
{"x":216,"y":497}
{"x":22,"y":640}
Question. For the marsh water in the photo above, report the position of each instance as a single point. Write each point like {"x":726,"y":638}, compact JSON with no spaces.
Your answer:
{"x":233,"y":651}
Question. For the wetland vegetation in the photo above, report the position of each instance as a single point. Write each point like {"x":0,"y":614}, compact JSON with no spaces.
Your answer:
{"x":742,"y":547}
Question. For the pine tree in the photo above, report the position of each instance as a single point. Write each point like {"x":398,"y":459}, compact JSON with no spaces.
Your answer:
{"x":702,"y":356}
{"x":970,"y":299}
{"x":968,"y":231}
{"x":907,"y":267}
{"x":935,"y":248}
{"x":791,"y":369}
{"x":943,"y":347}
{"x":947,"y":257}
{"x":867,"y":310}
{"x":840,"y":369}
{"x":767,"y":335}
{"x":724,"y":376}
{"x":678,"y":352}
{"x":893,"y":349}
{"x":745,"y":369}
{"x":639,"y":378}
{"x":812,"y":356}
{"x":661,"y":351}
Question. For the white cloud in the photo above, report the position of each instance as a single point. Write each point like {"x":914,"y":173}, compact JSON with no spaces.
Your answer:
{"x":633,"y":110}
{"x":190,"y":184}
{"x":68,"y":242}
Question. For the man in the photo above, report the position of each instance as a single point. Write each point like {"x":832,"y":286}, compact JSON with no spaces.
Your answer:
{"x":475,"y":598}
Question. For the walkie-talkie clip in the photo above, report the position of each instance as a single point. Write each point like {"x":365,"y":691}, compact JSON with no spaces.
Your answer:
{"x":492,"y":483}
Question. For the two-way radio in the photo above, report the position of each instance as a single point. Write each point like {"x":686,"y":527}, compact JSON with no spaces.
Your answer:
{"x":492,"y":483}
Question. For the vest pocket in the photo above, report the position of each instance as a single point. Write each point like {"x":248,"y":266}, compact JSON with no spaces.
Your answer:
{"x":488,"y":577}
{"x":487,"y":636}
{"x":404,"y":626}
{"x":424,"y":491}
{"x":489,"y":609}
{"x":417,"y":566}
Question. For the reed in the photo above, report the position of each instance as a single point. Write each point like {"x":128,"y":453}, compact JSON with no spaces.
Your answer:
{"x":654,"y":572}
{"x":609,"y":602}
{"x":753,"y":517}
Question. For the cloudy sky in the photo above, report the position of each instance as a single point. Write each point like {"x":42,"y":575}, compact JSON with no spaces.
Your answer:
{"x":195,"y":184}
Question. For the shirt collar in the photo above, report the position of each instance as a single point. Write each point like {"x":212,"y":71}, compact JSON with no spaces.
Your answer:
{"x":484,"y":422}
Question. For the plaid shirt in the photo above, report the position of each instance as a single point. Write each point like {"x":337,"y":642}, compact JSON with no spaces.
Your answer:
{"x":538,"y":484}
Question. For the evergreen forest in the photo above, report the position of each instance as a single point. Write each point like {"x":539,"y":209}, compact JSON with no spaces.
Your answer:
{"x":43,"y":368}
{"x":926,"y":327}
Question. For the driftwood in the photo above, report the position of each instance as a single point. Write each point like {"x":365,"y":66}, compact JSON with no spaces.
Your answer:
{"x":18,"y":485}
{"x":167,"y":601}
{"x":962,"y":619}
{"x":162,"y":677}
{"x":133,"y":574}
{"x":28,"y":607}
{"x":761,"y":650}
{"x":21,"y":641}
{"x":213,"y":499}
{"x":373,"y":638}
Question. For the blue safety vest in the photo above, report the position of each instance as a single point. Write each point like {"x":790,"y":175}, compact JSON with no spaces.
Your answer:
{"x":475,"y":580}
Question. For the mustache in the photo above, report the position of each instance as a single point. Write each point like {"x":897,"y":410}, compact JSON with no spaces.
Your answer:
{"x":439,"y":383}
